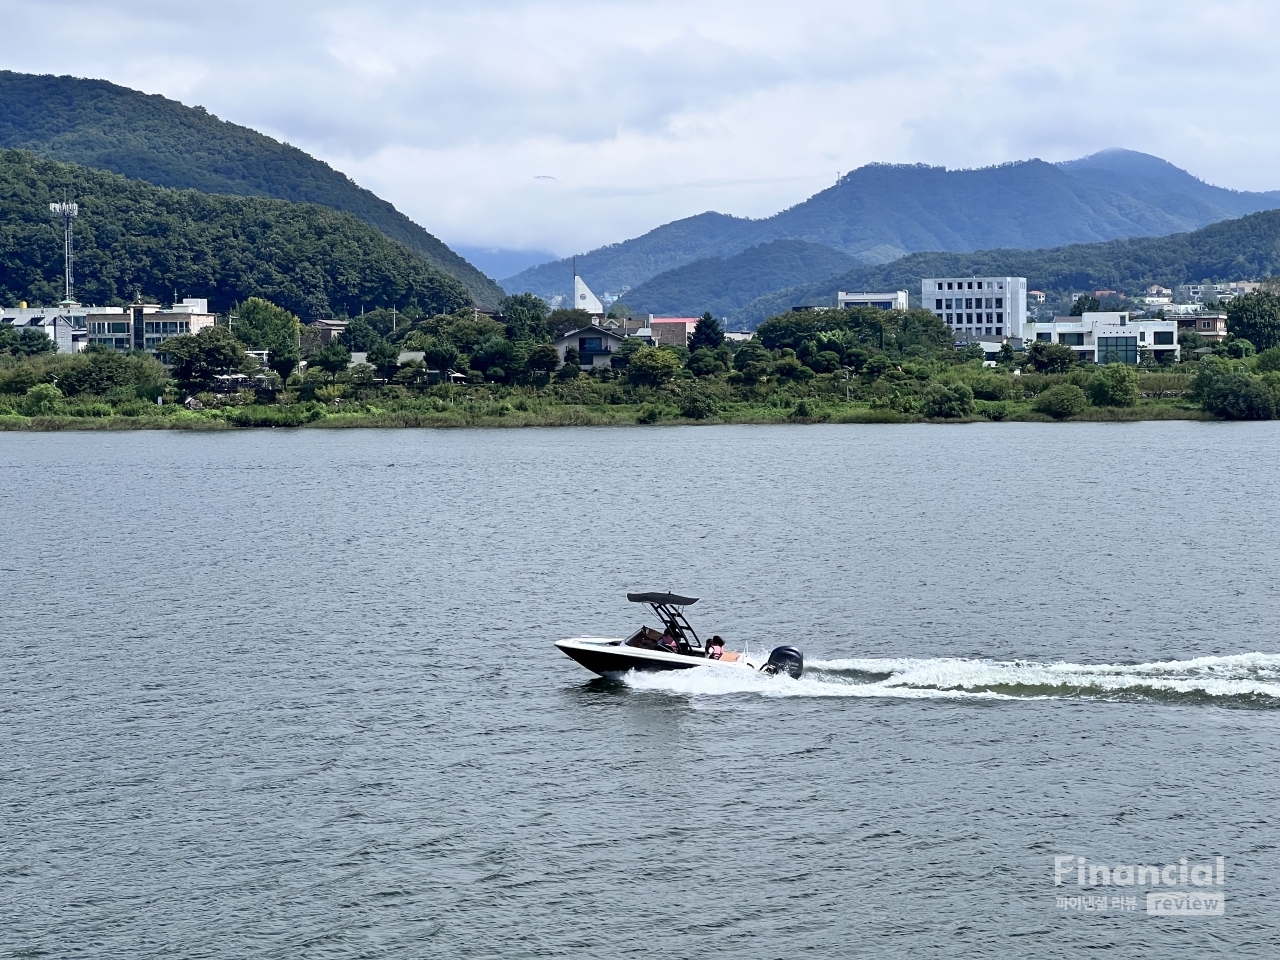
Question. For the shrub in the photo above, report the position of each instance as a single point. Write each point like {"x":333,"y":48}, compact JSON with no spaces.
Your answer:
{"x":991,"y":409}
{"x":1269,"y":361}
{"x":1238,"y":396}
{"x":41,"y":400}
{"x":1239,"y":348}
{"x":294,"y":416}
{"x":650,"y":414}
{"x":697,"y":406}
{"x":652,"y":366}
{"x":991,"y":386}
{"x":948,"y":403}
{"x":1116,"y":385}
{"x":1064,"y":400}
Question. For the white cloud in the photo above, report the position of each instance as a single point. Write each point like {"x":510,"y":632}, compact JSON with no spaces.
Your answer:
{"x":648,"y":111}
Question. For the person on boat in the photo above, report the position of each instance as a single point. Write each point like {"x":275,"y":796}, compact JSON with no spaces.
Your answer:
{"x":668,"y":642}
{"x":715,"y":648}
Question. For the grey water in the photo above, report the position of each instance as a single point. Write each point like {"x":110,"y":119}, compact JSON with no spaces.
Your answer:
{"x":294,"y":693}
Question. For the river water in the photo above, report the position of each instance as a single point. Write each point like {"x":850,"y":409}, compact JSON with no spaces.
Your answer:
{"x":294,"y":694}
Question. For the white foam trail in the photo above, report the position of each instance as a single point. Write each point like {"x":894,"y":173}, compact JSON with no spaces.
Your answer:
{"x":1244,"y":675}
{"x":720,"y":682}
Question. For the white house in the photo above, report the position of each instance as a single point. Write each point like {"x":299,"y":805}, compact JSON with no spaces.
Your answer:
{"x":883,"y":301}
{"x":1108,"y":337}
{"x":595,"y":345}
{"x":977,"y":306}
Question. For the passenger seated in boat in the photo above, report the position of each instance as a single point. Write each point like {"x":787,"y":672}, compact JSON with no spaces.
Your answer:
{"x":668,"y":642}
{"x":715,"y":648}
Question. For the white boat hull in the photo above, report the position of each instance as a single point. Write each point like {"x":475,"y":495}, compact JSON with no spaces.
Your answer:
{"x":609,"y":655}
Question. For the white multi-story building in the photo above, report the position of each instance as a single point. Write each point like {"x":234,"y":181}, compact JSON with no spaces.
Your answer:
{"x":977,"y":306}
{"x":1108,"y":337}
{"x":144,"y":326}
{"x":896,"y":300}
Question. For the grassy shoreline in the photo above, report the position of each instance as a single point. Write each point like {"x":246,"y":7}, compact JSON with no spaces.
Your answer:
{"x":573,"y":415}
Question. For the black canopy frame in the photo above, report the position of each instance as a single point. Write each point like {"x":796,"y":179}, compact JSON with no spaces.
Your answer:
{"x":668,"y":607}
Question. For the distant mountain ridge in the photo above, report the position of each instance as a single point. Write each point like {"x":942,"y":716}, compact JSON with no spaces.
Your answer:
{"x":1247,"y":247}
{"x":881,"y":212}
{"x":725,"y":286}
{"x":149,"y":137}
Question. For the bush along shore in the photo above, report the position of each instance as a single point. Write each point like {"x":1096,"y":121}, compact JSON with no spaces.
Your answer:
{"x":836,"y":366}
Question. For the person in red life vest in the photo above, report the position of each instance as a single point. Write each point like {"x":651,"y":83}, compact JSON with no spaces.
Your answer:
{"x":715,"y":648}
{"x":667,"y":642}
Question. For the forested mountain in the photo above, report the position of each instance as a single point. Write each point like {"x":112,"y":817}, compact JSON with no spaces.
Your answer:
{"x":102,"y":125}
{"x":881,"y":212}
{"x":724,"y":286}
{"x":135,"y":239}
{"x":1230,"y":250}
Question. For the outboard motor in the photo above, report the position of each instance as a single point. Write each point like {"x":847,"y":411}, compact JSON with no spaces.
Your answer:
{"x":786,"y":660}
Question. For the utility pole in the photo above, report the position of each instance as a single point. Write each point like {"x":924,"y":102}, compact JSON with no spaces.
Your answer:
{"x":68,"y":212}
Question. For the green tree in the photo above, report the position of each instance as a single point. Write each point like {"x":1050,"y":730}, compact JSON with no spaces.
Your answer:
{"x":543,"y":358}
{"x":790,"y":368}
{"x":562,"y":321}
{"x":753,"y":351}
{"x":1269,"y":361}
{"x":948,"y":403}
{"x":1239,"y":348}
{"x":707,"y":333}
{"x":440,"y":354}
{"x":384,"y":356}
{"x":652,"y":366}
{"x":196,"y":360}
{"x":1085,"y":304}
{"x":698,"y":405}
{"x":359,"y":337}
{"x":25,"y":343}
{"x":498,"y":358}
{"x":41,"y":400}
{"x":332,"y":359}
{"x":1115,"y":385}
{"x":1046,"y":357}
{"x":526,"y":317}
{"x":261,"y":325}
{"x":1256,"y":317}
{"x":704,"y":363}
{"x":622,"y":356}
{"x":1062,"y":401}
{"x":875,"y":368}
{"x":1238,"y":396}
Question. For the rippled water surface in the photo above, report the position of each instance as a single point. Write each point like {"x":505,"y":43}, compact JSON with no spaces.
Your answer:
{"x":293,"y":694}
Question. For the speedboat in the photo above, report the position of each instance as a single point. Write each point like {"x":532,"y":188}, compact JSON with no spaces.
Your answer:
{"x":676,"y":647}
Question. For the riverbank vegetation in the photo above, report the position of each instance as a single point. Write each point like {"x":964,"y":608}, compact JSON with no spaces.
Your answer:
{"x":833,"y":366}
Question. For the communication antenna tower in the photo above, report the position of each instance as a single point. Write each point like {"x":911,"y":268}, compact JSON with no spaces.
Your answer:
{"x":68,"y":212}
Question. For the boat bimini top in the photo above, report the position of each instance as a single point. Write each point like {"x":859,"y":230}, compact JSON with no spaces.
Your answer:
{"x":669,"y":609}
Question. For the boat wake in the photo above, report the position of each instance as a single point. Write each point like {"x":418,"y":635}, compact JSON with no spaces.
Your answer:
{"x":1249,"y":680}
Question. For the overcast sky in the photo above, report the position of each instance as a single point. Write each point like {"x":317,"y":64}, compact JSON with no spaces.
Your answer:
{"x":563,"y":125}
